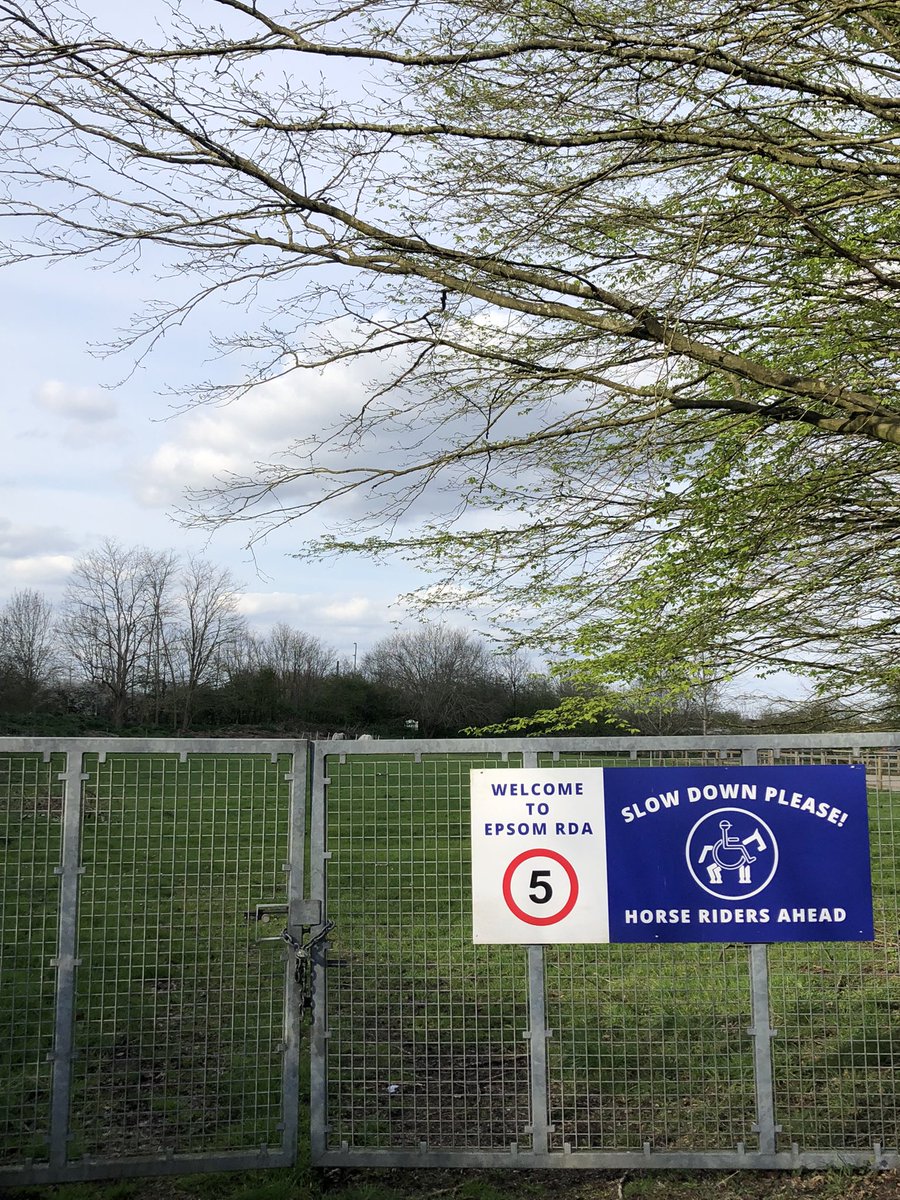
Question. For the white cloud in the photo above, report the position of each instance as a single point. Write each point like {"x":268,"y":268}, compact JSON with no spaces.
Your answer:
{"x":26,"y":541}
{"x":81,"y":405}
{"x":41,"y":570}
{"x":264,"y":425}
{"x":355,"y":609}
{"x":172,"y":469}
{"x":351,"y":618}
{"x":272,"y":604}
{"x":209,"y":443}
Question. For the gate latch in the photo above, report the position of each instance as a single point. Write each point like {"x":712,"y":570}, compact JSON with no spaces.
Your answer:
{"x":261,"y":916}
{"x":304,"y":967}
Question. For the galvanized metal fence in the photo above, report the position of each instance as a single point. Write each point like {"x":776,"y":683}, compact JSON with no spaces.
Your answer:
{"x":147,"y":1022}
{"x":428,"y":1050}
{"x":151,"y":1012}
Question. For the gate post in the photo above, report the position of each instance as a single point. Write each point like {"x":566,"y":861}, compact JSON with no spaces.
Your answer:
{"x":761,"y":1028}
{"x":295,"y":870}
{"x":537,"y":1033}
{"x":65,"y":962}
{"x":318,"y":1037}
{"x":537,"y":1030}
{"x":762,"y":1033}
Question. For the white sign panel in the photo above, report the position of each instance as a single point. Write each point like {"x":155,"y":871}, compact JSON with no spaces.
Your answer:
{"x":539,"y":856}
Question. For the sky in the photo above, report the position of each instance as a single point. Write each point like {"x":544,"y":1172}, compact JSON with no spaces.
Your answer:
{"x":93,"y":449}
{"x":96,"y":447}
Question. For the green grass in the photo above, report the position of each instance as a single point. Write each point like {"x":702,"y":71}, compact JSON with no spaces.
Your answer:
{"x":487,"y":1185}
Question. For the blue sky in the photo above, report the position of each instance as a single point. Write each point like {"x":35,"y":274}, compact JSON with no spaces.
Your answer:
{"x":93,"y":449}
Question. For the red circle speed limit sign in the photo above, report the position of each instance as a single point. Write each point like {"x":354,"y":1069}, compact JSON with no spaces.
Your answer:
{"x":540,"y":887}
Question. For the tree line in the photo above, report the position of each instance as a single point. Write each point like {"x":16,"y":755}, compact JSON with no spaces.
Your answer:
{"x":150,"y":639}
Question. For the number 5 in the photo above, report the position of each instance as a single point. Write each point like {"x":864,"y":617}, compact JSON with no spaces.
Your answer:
{"x":539,"y":883}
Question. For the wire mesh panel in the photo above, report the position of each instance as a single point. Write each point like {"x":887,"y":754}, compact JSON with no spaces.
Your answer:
{"x":836,"y":1005}
{"x":433,"y":1050}
{"x":649,"y":1047}
{"x":650,"y":1044}
{"x":179,"y":1017}
{"x":30,"y":838}
{"x":425,"y":1040}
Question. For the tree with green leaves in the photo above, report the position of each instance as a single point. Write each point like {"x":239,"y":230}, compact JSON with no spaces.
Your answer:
{"x":629,"y":270}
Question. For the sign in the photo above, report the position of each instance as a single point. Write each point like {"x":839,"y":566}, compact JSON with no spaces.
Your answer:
{"x":681,"y":854}
{"x":539,"y":856}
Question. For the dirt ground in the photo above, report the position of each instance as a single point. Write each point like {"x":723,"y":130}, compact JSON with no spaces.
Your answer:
{"x":596,"y":1185}
{"x":488,"y":1185}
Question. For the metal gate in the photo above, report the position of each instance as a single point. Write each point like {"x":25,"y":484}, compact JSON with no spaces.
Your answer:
{"x":431,"y":1051}
{"x":147,"y":1023}
{"x":150,"y":1021}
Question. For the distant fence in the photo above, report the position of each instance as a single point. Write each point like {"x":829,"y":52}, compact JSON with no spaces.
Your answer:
{"x":154,"y":1018}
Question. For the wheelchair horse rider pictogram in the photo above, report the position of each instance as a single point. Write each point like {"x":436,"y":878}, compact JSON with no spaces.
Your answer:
{"x":731,"y":854}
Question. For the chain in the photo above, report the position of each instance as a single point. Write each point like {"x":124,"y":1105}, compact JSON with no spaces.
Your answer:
{"x":304,"y":974}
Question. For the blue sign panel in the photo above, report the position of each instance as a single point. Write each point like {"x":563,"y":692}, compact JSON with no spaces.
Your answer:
{"x":737,"y":854}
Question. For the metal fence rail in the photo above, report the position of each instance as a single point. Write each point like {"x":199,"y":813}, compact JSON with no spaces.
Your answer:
{"x":428,"y":1050}
{"x":144,"y":1022}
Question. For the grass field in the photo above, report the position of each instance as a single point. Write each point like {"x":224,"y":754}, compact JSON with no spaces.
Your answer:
{"x":179,"y":1004}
